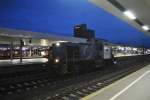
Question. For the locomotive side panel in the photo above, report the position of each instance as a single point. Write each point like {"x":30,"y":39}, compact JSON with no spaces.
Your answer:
{"x":78,"y":57}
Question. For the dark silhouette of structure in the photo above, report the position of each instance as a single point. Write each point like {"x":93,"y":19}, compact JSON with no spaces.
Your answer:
{"x":82,"y":31}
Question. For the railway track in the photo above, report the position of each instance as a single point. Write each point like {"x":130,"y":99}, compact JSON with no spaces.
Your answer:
{"x":68,"y":88}
{"x":76,"y":92}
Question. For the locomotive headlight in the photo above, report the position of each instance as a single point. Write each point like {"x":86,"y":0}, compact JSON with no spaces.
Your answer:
{"x":56,"y":60}
{"x":58,"y":44}
{"x":115,"y":62}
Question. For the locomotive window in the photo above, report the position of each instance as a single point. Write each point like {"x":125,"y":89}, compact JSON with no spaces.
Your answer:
{"x":107,"y":50}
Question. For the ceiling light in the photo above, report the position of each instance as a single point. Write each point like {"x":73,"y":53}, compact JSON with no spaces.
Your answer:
{"x":130,"y":14}
{"x":145,"y":27}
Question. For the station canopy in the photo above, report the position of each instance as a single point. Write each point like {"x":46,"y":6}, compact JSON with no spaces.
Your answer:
{"x":58,"y":17}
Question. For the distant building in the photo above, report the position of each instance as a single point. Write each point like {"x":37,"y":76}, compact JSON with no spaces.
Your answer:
{"x":82,"y":31}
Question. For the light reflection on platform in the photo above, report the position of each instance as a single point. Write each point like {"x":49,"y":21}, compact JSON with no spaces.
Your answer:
{"x":126,"y":55}
{"x":24,"y":61}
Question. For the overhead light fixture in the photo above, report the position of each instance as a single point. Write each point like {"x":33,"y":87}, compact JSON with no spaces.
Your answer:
{"x":145,"y":27}
{"x":130,"y":14}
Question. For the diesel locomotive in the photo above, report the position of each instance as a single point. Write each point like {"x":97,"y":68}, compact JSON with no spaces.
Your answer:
{"x":74,"y":58}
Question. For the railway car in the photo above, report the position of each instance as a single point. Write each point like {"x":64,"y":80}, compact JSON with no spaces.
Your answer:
{"x":77,"y":57}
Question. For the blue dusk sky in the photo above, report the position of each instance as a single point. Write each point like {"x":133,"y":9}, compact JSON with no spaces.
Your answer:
{"x":59,"y":16}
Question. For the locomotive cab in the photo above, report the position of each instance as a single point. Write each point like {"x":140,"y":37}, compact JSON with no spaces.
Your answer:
{"x":64,"y":56}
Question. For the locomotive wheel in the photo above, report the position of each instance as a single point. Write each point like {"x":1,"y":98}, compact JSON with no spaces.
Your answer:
{"x":75,"y":70}
{"x":62,"y":70}
{"x":109,"y":62}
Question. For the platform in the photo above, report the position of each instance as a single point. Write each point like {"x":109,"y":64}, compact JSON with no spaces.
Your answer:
{"x":24,"y":61}
{"x":136,"y":86}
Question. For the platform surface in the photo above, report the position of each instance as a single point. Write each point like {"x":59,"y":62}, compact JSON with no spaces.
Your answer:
{"x":24,"y":61}
{"x":135,"y":86}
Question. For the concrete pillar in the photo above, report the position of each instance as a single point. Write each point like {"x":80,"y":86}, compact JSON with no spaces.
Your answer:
{"x":11,"y":51}
{"x":30,"y":47}
{"x":21,"y":45}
